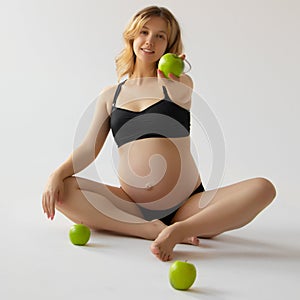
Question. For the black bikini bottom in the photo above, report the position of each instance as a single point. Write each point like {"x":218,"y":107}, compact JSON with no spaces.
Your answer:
{"x":167,"y":215}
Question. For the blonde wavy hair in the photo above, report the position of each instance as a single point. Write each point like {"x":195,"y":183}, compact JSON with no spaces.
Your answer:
{"x":126,"y":59}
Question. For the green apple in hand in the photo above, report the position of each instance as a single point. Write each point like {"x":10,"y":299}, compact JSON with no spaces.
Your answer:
{"x":79,"y":234}
{"x":171,"y":63}
{"x":182,"y":275}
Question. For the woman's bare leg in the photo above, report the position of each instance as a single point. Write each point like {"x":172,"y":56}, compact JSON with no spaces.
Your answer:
{"x":104,"y":207}
{"x":84,"y":202}
{"x":231,"y":207}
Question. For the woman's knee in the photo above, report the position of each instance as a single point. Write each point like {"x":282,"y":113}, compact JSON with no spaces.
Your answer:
{"x":266,"y":188}
{"x":70,"y":184}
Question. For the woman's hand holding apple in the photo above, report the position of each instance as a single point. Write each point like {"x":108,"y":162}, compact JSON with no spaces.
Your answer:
{"x":171,"y":76}
{"x":168,"y":62}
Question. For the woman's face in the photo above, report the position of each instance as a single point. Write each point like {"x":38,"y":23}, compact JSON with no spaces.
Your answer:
{"x":151,"y":42}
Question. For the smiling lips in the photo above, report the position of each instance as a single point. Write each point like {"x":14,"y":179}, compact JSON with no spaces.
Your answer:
{"x":148,"y":51}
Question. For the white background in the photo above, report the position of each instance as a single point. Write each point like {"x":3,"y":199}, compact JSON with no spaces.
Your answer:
{"x":56,"y":57}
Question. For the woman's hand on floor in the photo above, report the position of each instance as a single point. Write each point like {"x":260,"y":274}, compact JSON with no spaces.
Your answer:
{"x":53,"y":193}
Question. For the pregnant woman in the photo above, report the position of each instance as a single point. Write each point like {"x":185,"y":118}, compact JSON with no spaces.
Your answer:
{"x":160,"y":192}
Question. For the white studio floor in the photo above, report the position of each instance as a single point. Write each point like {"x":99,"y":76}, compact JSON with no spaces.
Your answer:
{"x":55,"y":61}
{"x":259,"y":261}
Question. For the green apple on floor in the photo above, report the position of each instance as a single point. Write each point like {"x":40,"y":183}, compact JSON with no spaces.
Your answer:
{"x":171,"y":63}
{"x":79,"y":234}
{"x":182,"y":275}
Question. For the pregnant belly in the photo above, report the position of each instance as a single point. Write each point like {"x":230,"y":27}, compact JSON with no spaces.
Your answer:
{"x":158,"y":173}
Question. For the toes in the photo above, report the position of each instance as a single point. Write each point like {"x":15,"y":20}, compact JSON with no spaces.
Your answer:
{"x":164,"y":256}
{"x":155,"y":249}
{"x":160,"y":254}
{"x":170,"y":257}
{"x":195,"y":241}
{"x":191,"y":241}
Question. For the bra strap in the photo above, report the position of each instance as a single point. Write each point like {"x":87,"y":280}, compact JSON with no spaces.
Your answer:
{"x":118,"y":90}
{"x":167,"y":97}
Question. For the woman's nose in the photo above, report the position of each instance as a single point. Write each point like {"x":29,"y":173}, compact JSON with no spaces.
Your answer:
{"x":149,"y":40}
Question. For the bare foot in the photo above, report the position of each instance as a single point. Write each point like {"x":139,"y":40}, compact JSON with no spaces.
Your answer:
{"x":163,"y":246}
{"x":158,"y":226}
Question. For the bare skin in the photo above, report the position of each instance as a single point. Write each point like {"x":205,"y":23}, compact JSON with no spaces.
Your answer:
{"x":230,"y":207}
{"x":155,"y":172}
{"x":80,"y":210}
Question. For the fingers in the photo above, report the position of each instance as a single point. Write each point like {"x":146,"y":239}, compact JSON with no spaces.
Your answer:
{"x":161,"y":74}
{"x":53,"y":194}
{"x":52,"y":205}
{"x":44,"y":203}
{"x":182,"y":56}
{"x":171,"y":76}
{"x":48,"y":203}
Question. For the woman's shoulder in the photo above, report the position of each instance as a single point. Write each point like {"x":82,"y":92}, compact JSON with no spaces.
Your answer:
{"x":106,"y":96}
{"x":108,"y":91}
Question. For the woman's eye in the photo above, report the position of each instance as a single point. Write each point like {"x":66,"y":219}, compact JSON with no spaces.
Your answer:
{"x":144,"y":32}
{"x":161,"y":36}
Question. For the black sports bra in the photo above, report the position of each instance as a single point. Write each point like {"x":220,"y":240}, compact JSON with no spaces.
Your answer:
{"x":161,"y":119}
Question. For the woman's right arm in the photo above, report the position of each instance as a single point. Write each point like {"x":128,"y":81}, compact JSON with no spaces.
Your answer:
{"x":81,"y":157}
